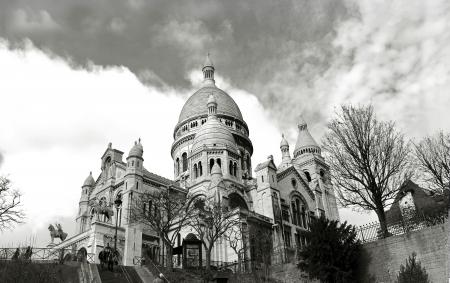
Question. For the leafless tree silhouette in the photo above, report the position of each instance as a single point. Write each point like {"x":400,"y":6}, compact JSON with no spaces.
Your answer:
{"x":210,"y":223}
{"x":11,"y":212}
{"x":369,"y":160}
{"x":165,"y":211}
{"x":432,"y":155}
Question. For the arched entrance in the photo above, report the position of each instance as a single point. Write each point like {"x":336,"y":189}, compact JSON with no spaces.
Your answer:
{"x":82,"y":255}
{"x":235,"y":200}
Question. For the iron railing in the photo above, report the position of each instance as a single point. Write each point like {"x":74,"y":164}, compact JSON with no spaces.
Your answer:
{"x":44,"y":255}
{"x":372,"y":231}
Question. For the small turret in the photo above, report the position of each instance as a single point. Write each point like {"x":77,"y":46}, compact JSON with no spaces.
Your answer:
{"x":135,"y":159}
{"x":137,"y":150}
{"x":86,"y":189}
{"x":89,"y":182}
{"x":286,"y":160}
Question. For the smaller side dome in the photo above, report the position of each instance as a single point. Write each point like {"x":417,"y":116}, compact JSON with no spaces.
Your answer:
{"x":137,"y":150}
{"x":213,"y":132}
{"x":89,"y":182}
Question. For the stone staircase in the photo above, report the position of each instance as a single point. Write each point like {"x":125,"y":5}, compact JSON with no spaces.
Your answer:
{"x":144,"y":274}
{"x":121,"y":274}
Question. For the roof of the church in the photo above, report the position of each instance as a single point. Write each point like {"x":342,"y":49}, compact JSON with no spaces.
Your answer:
{"x":195,"y":105}
{"x":268,"y":163}
{"x":159,"y":179}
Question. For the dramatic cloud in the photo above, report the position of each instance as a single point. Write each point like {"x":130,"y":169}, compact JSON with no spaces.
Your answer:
{"x":259,"y":45}
{"x":395,"y":56}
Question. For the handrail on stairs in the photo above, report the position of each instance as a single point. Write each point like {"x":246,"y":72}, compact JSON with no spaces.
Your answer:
{"x":140,"y":260}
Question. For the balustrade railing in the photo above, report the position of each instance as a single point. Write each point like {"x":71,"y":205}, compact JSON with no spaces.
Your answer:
{"x":372,"y":231}
{"x":44,"y":255}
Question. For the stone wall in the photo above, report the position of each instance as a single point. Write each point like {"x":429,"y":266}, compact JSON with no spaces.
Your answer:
{"x":429,"y":244}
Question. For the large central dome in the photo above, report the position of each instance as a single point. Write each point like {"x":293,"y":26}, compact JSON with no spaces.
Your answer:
{"x":197,"y":130}
{"x":195,"y":105}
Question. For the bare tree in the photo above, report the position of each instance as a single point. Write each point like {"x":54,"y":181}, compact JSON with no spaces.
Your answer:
{"x":165,"y":211}
{"x":369,"y":160}
{"x":432,"y":155}
{"x":210,"y":223}
{"x":237,"y":237}
{"x":10,"y":205}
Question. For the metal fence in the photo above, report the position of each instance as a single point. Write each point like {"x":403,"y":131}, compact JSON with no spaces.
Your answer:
{"x":372,"y":231}
{"x":44,"y":255}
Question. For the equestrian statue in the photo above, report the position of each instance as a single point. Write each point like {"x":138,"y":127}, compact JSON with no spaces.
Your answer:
{"x":101,"y":208}
{"x":57,"y":233}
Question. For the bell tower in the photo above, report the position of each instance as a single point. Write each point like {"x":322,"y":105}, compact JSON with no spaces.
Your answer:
{"x":308,"y":159}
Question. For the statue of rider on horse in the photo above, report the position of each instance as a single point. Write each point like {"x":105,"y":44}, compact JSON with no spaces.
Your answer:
{"x":57,"y":233}
{"x":102,"y":208}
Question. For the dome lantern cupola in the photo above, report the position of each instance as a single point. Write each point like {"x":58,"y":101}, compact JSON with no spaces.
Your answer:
{"x":208,"y":72}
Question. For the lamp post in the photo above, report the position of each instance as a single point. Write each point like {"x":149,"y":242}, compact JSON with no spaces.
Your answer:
{"x":117,"y":204}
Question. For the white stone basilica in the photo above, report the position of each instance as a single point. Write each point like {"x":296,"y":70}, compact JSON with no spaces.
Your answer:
{"x":212,"y":156}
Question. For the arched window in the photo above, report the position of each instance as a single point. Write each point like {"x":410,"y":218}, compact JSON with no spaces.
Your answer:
{"x":295,"y":212}
{"x":322,"y":174}
{"x":249,"y":164}
{"x":235,"y":169}
{"x":235,"y":200}
{"x":294,"y":183}
{"x":200,"y":168}
{"x":211,"y":164}
{"x":219,"y":162}
{"x":304,"y":218}
{"x":195,"y":171}
{"x":298,"y":211}
{"x":177,"y":168}
{"x":230,"y":168}
{"x":185,"y":163}
{"x":308,"y":176}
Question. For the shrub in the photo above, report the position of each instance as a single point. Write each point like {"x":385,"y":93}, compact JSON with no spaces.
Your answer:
{"x":332,"y":253}
{"x":412,"y":272}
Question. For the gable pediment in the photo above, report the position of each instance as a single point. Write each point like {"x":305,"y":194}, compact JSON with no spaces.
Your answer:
{"x":292,"y":171}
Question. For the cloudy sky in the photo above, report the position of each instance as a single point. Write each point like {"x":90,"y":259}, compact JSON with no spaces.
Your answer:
{"x":75,"y":75}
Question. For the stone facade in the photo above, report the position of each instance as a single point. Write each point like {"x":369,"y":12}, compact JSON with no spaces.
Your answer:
{"x":212,"y":157}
